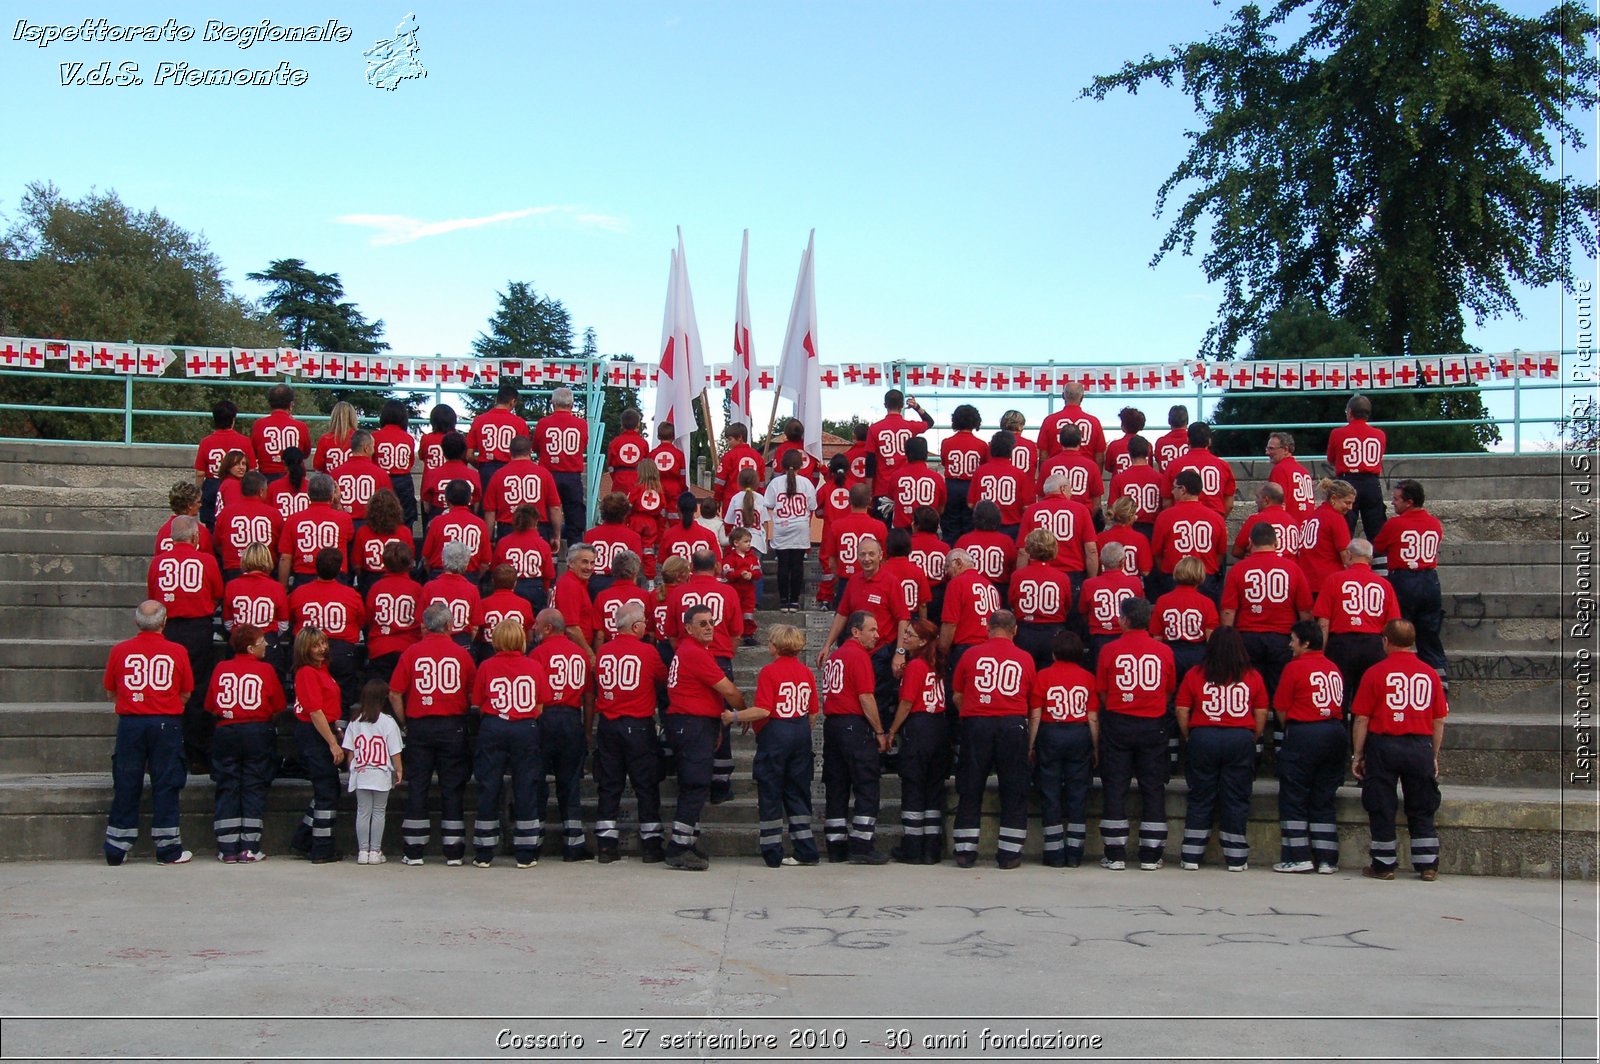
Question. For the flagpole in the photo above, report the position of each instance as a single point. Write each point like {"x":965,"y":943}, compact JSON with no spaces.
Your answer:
{"x":766,"y":448}
{"x":711,"y":431}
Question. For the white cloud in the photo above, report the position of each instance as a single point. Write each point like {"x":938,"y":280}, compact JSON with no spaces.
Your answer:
{"x":403,"y":229}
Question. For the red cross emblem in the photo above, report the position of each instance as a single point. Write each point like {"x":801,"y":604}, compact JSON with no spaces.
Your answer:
{"x":1001,"y":381}
{"x":872,"y":375}
{"x":1130,"y":380}
{"x":1382,"y":376}
{"x":463,"y":373}
{"x":979,"y":378}
{"x":1526,"y":365}
{"x":333,"y":366}
{"x":1198,"y":370}
{"x":852,"y":374}
{"x":266,"y":362}
{"x":1405,"y":373}
{"x":194,"y":362}
{"x":288,"y":359}
{"x":915,"y":376}
{"x":616,"y":376}
{"x":1313,"y":377}
{"x":1336,"y":377}
{"x":489,"y":372}
{"x":1505,"y":366}
{"x":423,"y":372}
{"x":723,"y":378}
{"x":829,"y":378}
{"x":1266,"y":375}
{"x":101,"y":357}
{"x":218,"y":365}
{"x":150,"y":363}
{"x":31,"y":356}
{"x":1549,"y":367}
{"x":1289,"y":377}
{"x":400,"y":371}
{"x":1151,"y":379}
{"x":1106,"y":381}
{"x":935,"y":376}
{"x":1174,"y":377}
{"x":9,"y":353}
{"x":575,"y":373}
{"x":123,"y":361}
{"x":636,"y":377}
{"x":1479,"y":369}
{"x":1359,"y":377}
{"x":1022,"y":379}
{"x":512,"y":369}
{"x":958,"y":376}
{"x":1217,"y":376}
{"x":379,"y":370}
{"x":356,"y":370}
{"x":1243,"y":377}
{"x":244,"y":361}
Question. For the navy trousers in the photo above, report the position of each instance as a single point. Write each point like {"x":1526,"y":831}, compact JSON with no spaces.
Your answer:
{"x":507,"y":745}
{"x":783,"y":771}
{"x":151,"y":744}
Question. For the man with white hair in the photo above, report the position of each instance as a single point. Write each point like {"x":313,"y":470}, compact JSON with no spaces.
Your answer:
{"x":1094,"y":434}
{"x":188,"y":583}
{"x":149,"y":679}
{"x":1352,"y":608}
{"x":630,"y":676}
{"x":562,"y":438}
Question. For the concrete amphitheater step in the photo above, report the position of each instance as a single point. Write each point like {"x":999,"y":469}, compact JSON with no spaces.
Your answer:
{"x":1444,"y":479}
{"x":94,"y":466}
{"x":1483,"y":830}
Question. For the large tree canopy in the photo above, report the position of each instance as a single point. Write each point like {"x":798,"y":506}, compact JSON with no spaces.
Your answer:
{"x":1391,"y":166}
{"x":310,"y":308}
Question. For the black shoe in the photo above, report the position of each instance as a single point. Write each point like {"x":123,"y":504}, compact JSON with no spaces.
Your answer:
{"x":718,"y":797}
{"x":966,"y":860}
{"x":1073,"y":862}
{"x":699,"y":851}
{"x":652,"y":855}
{"x":808,"y":862}
{"x":299,"y":853}
{"x":838,"y":855}
{"x":869,"y":857}
{"x":688,"y":861}
{"x":572,"y":856}
{"x":1008,"y":862}
{"x":773,"y":859}
{"x":332,"y":857}
{"x":607,"y":856}
{"x":1056,"y":861}
{"x":931,"y":856}
{"x":900,"y":855}
{"x":115,"y":862}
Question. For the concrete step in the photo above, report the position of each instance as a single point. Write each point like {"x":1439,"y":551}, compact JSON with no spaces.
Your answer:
{"x":21,"y":595}
{"x":1459,"y":478}
{"x":111,"y":567}
{"x":97,"y":465}
{"x":1483,"y":830}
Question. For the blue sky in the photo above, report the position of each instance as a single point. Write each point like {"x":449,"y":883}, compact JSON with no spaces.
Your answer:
{"x":967,"y":203}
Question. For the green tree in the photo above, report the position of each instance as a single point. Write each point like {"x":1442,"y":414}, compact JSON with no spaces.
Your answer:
{"x":1303,"y":330}
{"x":92,"y":269}
{"x":311,"y":311}
{"x":524,"y":327}
{"x":1390,"y":165}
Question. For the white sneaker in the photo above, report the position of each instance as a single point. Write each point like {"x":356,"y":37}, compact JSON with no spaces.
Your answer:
{"x":454,"y":862}
{"x":183,"y":858}
{"x":1115,"y":866}
{"x":528,"y":864}
{"x":377,"y":858}
{"x":251,"y":857}
{"x":363,"y":857}
{"x":1327,"y":869}
{"x":789,"y":862}
{"x":1190,"y":866}
{"x":1238,"y":868}
{"x":1152,"y":866}
{"x":1294,"y":866}
{"x":411,"y":860}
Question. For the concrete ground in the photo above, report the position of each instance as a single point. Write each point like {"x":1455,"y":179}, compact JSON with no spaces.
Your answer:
{"x":422,"y":963}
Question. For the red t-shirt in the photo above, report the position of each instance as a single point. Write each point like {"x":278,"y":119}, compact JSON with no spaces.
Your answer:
{"x":788,"y":689}
{"x":244,"y":691}
{"x":286,"y":499}
{"x":394,"y":449}
{"x":969,"y":601}
{"x":203,"y":537}
{"x":1084,"y":483}
{"x":1189,"y":530}
{"x":327,"y":604}
{"x":1171,"y":447}
{"x":886,"y":440}
{"x":457,"y":525}
{"x":456,"y":592}
{"x":1310,"y":688}
{"x":1094,"y":434}
{"x":844,"y":538}
{"x":316,"y":691}
{"x":610,"y":540}
{"x":270,"y":436}
{"x":255,"y":599}
{"x":1064,"y":694}
{"x":727,"y":616}
{"x":929,"y":553}
{"x":1117,"y":457}
{"x":572,"y":598}
{"x":846,"y":676}
{"x":208,"y":456}
{"x":315,"y":528}
{"x":1324,"y":535}
{"x":497,"y":607}
{"x":509,"y":685}
{"x":916,"y":486}
{"x":922,"y":687}
{"x":436,"y":480}
{"x":1401,"y":695}
{"x":1069,"y":521}
{"x":331,"y":452}
{"x":435,"y":677}
{"x":520,"y":483}
{"x":856,"y":464}
{"x":1267,"y":592}
{"x":1144,"y":486}
{"x":148,"y":675}
{"x":734,"y":461}
{"x":610,"y":602}
{"x":249,"y":521}
{"x":961,"y":454}
{"x":1287,"y":527}
{"x":492,"y":431}
{"x":432,"y":448}
{"x":1356,"y":448}
{"x":1101,"y":597}
{"x":1299,"y":494}
{"x":627,"y":673}
{"x":1040,"y":594}
{"x":562,"y":438}
{"x":810,"y":468}
{"x":1229,"y":705}
{"x":685,"y":541}
{"x":993,"y":553}
{"x":1025,"y":456}
{"x":1216,"y":478}
{"x":528,"y":553}
{"x":186,"y":582}
{"x":1356,"y":600}
{"x":623,"y":456}
{"x":995,"y":679}
{"x":1136,"y":553}
{"x":878,"y":595}
{"x":692,"y":681}
{"x":1183,"y":615}
{"x":910,"y":583}
{"x":566,"y":670}
{"x":1410,"y":540}
{"x":1006,"y":486}
{"x":1135,"y":675}
{"x":358,"y":478}
{"x":670,"y":464}
{"x":394,"y":615}
{"x":369,"y":545}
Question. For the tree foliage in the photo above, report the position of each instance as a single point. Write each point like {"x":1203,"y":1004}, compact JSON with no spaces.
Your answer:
{"x":1390,"y":166}
{"x":92,"y":269}
{"x":1303,"y":330}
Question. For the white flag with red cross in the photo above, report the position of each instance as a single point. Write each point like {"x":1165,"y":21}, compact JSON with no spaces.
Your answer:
{"x":153,"y":361}
{"x":681,"y":376}
{"x":799,"y":371}
{"x":743,"y":348}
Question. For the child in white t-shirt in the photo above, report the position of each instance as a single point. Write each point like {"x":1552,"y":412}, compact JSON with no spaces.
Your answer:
{"x":374,"y":742}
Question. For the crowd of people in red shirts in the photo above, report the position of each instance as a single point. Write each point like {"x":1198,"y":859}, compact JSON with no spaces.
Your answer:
{"x":1045,"y":610}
